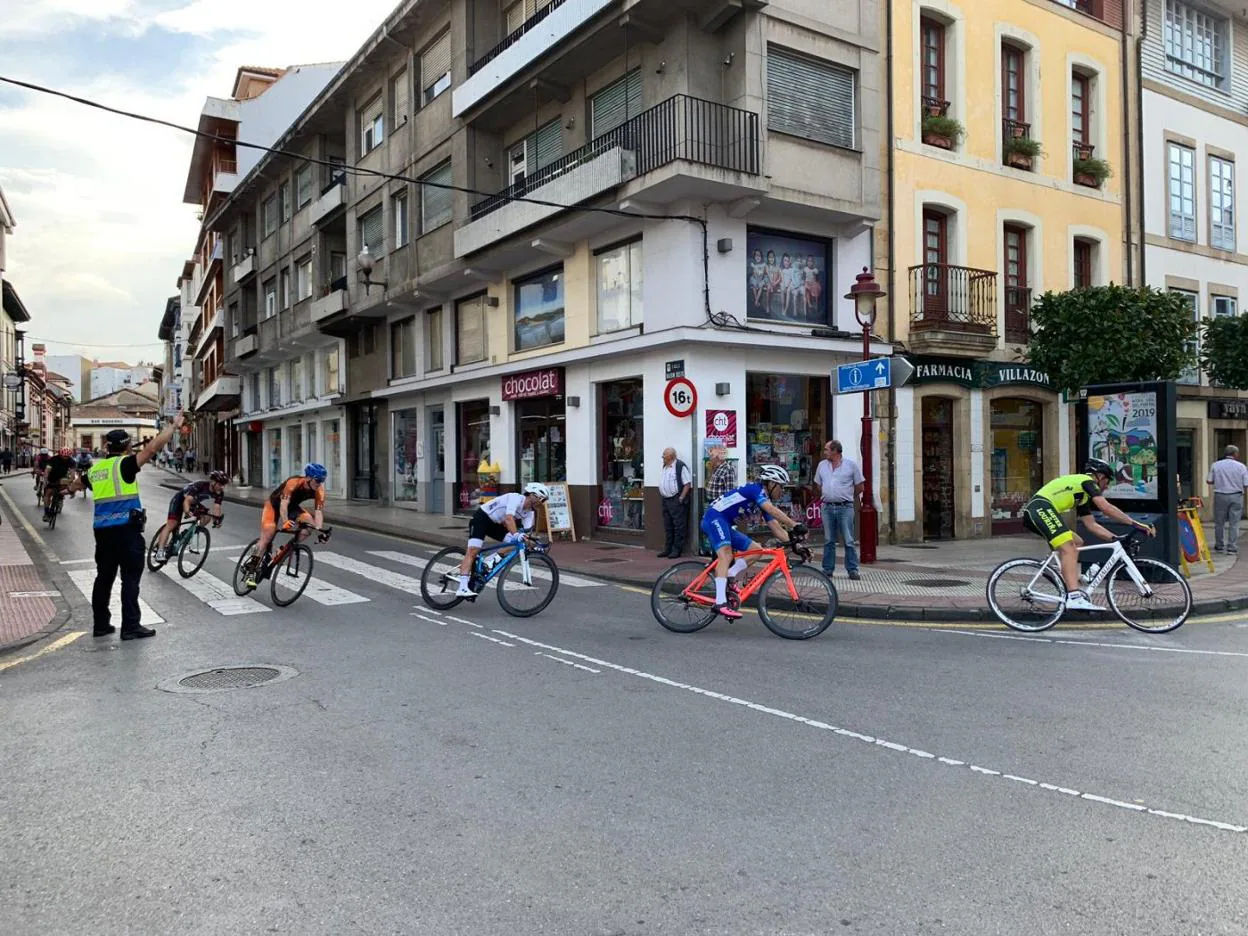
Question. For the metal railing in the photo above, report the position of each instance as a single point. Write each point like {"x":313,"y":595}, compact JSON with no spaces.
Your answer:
{"x":338,"y":177}
{"x":1082,"y":150}
{"x":953,"y":297}
{"x":513,"y":37}
{"x":935,"y":107}
{"x":227,"y":165}
{"x":1015,"y":129}
{"x":680,"y":128}
{"x":1018,"y":314}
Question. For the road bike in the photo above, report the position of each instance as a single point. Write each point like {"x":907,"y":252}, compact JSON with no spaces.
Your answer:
{"x":53,"y":510}
{"x":39,"y":488}
{"x":190,"y":543}
{"x":289,"y":569}
{"x":1147,"y":594}
{"x":795,"y":601}
{"x":527,"y":577}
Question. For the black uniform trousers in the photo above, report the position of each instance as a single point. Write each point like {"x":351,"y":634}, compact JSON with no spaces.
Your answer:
{"x":118,"y":548}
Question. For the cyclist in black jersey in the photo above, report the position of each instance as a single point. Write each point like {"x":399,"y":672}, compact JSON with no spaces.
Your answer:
{"x":190,"y":500}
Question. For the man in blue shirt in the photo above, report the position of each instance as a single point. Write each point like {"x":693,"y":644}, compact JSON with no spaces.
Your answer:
{"x":725,"y":538}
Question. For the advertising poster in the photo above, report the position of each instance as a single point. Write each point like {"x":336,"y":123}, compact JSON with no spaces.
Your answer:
{"x":787,"y":278}
{"x":1122,"y":430}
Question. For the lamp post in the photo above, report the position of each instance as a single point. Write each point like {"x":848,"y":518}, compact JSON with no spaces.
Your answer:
{"x":865,"y":293}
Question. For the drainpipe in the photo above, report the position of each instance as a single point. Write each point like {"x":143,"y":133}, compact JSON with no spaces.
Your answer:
{"x":892,"y":265}
{"x":1126,"y":149}
{"x":1139,"y":125}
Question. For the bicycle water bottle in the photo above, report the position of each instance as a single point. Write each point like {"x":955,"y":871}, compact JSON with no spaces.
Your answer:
{"x":1090,"y":575}
{"x":490,"y":561}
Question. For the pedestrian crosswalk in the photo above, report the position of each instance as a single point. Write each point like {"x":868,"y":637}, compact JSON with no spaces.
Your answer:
{"x":84,"y":580}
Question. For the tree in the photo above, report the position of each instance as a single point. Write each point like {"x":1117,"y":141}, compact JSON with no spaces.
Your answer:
{"x":1224,"y":351}
{"x":1112,"y":334}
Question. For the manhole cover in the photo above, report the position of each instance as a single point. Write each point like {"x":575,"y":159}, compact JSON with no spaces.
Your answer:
{"x":936,"y":583}
{"x":223,"y":678}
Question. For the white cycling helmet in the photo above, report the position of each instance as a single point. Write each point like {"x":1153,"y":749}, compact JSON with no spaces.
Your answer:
{"x":538,"y":490}
{"x":773,"y":473}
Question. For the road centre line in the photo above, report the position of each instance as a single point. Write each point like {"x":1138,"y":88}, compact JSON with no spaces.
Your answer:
{"x":588,"y":669}
{"x":494,"y":639}
{"x":417,"y":614}
{"x":869,"y":739}
{"x":1094,"y":643}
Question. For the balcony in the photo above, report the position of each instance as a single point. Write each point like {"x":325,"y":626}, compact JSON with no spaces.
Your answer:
{"x":224,"y":176}
{"x":953,"y":309}
{"x":247,"y":345}
{"x":1017,"y":314}
{"x":536,"y":37}
{"x":1018,"y":149}
{"x":330,"y":304}
{"x":221,"y":394}
{"x":211,"y":324}
{"x":682,"y":128}
{"x":333,"y":197}
{"x":245,"y":267}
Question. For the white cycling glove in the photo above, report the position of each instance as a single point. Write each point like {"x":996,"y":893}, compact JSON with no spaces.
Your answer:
{"x":513,"y":537}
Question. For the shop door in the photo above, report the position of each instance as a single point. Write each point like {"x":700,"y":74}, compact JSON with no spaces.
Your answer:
{"x":437,"y":450}
{"x":1017,"y":461}
{"x":364,"y":469}
{"x":1185,"y":446}
{"x":938,"y":490}
{"x":255,"y":459}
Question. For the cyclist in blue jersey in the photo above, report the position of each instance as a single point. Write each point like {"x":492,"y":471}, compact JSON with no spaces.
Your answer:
{"x":725,"y":538}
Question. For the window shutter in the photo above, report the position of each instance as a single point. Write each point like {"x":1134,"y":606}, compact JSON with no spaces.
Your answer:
{"x":616,"y":103}
{"x":371,"y":232}
{"x":436,"y":61}
{"x":402,"y":97}
{"x":516,"y":15}
{"x":436,"y":202}
{"x":546,"y":145}
{"x":810,"y":99}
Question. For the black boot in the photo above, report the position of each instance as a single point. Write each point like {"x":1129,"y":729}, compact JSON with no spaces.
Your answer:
{"x":137,"y":632}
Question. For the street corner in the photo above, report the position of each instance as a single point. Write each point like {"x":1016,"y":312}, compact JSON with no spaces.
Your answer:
{"x":33,"y":605}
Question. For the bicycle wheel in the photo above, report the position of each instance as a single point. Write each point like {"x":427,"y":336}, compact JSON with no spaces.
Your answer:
{"x":1164,"y":607}
{"x":521,"y":599}
{"x":291,"y":577}
{"x":152,"y":562}
{"x":1026,"y":595}
{"x":194,"y":551}
{"x":802,"y":613}
{"x":52,"y":516}
{"x":440,"y":580}
{"x":674,"y":609}
{"x":241,"y":567}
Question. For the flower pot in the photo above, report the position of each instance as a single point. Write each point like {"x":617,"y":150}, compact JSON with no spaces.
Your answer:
{"x":1017,"y":131}
{"x":1018,"y":160}
{"x":935,"y":139}
{"x":1083,"y":178}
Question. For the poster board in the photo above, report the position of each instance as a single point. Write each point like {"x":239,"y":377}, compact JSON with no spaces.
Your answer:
{"x":558,"y":510}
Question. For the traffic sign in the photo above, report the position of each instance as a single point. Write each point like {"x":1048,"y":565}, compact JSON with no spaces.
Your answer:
{"x":680,"y":397}
{"x":875,"y":374}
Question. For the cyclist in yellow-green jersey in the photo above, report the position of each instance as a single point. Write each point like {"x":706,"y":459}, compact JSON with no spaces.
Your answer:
{"x":1081,"y":493}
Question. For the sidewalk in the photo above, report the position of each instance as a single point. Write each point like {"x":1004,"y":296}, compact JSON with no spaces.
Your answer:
{"x":914,"y":582}
{"x":27,"y":608}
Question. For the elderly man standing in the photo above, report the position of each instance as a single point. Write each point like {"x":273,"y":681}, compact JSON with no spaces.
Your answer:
{"x":1228,"y":477}
{"x":838,"y":482}
{"x":675,"y":486}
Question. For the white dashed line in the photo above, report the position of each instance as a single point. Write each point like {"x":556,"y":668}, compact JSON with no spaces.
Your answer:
{"x":1093,"y":643}
{"x":491,"y":639}
{"x":417,"y":614}
{"x":588,"y":669}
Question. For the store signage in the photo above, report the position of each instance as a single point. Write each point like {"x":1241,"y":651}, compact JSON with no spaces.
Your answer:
{"x":1228,"y":409}
{"x":538,"y":383}
{"x":977,"y":374}
{"x":721,"y":424}
{"x":675,"y":369}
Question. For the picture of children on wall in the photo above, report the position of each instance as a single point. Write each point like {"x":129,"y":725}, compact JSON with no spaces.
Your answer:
{"x":786,"y":278}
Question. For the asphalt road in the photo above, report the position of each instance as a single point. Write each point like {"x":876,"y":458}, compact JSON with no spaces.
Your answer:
{"x":586,"y":772}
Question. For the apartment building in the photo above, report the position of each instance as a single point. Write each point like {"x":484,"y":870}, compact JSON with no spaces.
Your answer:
{"x":609,"y":194}
{"x":12,"y":314}
{"x":1009,"y":158}
{"x":170,"y":332}
{"x":1193,"y":66}
{"x":111,"y":376}
{"x":77,"y":369}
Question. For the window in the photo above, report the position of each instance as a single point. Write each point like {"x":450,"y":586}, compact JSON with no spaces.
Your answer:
{"x":368,"y":339}
{"x":255,"y":392}
{"x":1192,"y":374}
{"x":435,"y":68}
{"x":372,"y":125}
{"x":935,"y":259}
{"x":619,"y":287}
{"x":1013,"y":84}
{"x":521,"y":12}
{"x":470,"y":330}
{"x":1182,"y":181}
{"x":296,"y":380}
{"x":1224,"y":307}
{"x":539,"y":310}
{"x":1017,"y":292}
{"x":1082,"y":262}
{"x":1080,"y":125}
{"x":303,"y":278}
{"x":1195,"y":44}
{"x":435,"y":201}
{"x":275,"y":388}
{"x":270,"y":298}
{"x":372,"y":233}
{"x":303,"y":186}
{"x":232,"y":313}
{"x":283,"y":195}
{"x":283,"y":292}
{"x":401,"y":98}
{"x":616,"y":103}
{"x":433,"y":340}
{"x":932,"y":39}
{"x":403,"y":348}
{"x":398,"y":208}
{"x":809,"y":98}
{"x":1221,"y":203}
{"x":268,"y":214}
{"x":329,"y":373}
{"x":536,"y":151}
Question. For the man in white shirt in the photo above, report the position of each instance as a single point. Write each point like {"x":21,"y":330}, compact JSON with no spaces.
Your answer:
{"x":839,"y":483}
{"x":675,"y":486}
{"x":507,"y":518}
{"x":1228,"y":477}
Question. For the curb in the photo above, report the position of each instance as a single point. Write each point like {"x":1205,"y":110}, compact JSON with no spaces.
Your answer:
{"x":48,"y":569}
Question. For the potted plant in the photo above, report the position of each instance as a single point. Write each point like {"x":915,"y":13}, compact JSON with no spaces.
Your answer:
{"x":1020,"y":151}
{"x":942,"y":131}
{"x":1091,"y":172}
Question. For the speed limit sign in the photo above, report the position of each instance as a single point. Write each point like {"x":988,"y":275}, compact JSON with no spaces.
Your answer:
{"x":679,"y":396}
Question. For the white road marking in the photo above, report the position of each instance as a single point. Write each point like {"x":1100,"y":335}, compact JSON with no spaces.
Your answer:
{"x":493,"y":639}
{"x":215,"y":593}
{"x":459,"y":620}
{"x":326,"y":594}
{"x":588,"y":669}
{"x":417,"y":614}
{"x":76,"y":561}
{"x":1095,"y":643}
{"x":375,"y":573}
{"x":868,"y":739}
{"x":84,"y":579}
{"x":574,"y":581}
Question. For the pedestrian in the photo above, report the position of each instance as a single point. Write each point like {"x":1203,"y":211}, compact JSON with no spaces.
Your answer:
{"x":1228,"y":477}
{"x":838,"y":483}
{"x":119,"y":518}
{"x":675,"y":487}
{"x":179,"y":458}
{"x":190,"y":459}
{"x":6,"y":461}
{"x":722,"y":480}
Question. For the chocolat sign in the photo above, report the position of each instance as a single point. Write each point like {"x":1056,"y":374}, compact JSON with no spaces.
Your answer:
{"x":538,"y":383}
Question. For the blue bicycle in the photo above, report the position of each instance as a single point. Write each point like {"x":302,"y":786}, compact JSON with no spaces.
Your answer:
{"x":527,"y":577}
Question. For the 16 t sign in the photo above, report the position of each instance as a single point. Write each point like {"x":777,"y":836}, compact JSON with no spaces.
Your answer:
{"x":680,"y":397}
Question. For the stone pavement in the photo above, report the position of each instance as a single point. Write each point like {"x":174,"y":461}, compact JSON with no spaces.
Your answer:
{"x":27,"y":605}
{"x":914,"y":582}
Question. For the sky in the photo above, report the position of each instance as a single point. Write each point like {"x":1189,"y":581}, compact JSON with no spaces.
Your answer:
{"x":101,"y":230}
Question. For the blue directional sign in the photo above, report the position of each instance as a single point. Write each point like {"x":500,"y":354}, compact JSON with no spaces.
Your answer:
{"x":875,"y":374}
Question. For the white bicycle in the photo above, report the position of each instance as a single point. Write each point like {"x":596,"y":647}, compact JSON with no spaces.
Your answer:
{"x":1147,"y":594}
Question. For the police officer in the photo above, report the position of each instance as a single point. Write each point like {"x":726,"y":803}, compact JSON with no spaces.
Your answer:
{"x":119,"y":517}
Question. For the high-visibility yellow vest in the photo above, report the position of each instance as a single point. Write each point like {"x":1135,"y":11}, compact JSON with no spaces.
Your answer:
{"x":114,"y":497}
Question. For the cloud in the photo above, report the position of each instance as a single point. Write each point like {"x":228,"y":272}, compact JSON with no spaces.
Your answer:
{"x":101,"y":229}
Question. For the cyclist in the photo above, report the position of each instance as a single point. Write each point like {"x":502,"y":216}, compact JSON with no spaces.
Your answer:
{"x":725,"y":538}
{"x":37,"y":469}
{"x":1083,"y":493}
{"x":290,"y":495}
{"x":190,"y":500}
{"x":507,"y":518}
{"x":56,"y":476}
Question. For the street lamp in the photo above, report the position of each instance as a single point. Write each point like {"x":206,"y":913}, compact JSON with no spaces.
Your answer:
{"x":865,"y":293}
{"x":364,"y":267}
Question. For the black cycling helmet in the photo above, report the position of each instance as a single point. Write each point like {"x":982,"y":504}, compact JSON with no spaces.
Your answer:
{"x":117,"y":441}
{"x":1099,"y":466}
{"x":220,"y":477}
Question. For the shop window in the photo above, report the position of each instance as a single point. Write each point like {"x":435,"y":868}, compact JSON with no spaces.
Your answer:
{"x":1017,"y":460}
{"x":939,"y":484}
{"x":542,"y":440}
{"x":788,"y":277}
{"x":406,"y":448}
{"x":622,"y":449}
{"x":539,"y":310}
{"x":619,"y":287}
{"x":470,"y":330}
{"x":788,"y":420}
{"x":474,"y":455}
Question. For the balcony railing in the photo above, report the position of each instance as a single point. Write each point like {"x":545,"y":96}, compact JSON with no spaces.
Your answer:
{"x":935,"y":107}
{"x":515,"y":36}
{"x":1017,"y":314}
{"x":337,"y":177}
{"x":680,"y":128}
{"x":953,"y":298}
{"x":227,"y":165}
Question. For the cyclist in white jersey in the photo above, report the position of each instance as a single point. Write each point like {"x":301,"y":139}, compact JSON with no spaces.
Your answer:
{"x":506,"y":518}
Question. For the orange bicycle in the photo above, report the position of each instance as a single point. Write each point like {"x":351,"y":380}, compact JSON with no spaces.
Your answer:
{"x":795,"y":601}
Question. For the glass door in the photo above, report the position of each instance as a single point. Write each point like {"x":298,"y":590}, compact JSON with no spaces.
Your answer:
{"x":437,"y":449}
{"x":938,"y":485}
{"x":364,"y":472}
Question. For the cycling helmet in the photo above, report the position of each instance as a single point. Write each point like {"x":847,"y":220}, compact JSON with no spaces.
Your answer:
{"x":218,"y":477}
{"x":1099,"y":466}
{"x":315,"y":471}
{"x":773,"y":473}
{"x":66,"y":453}
{"x":538,"y":490}
{"x":117,"y":441}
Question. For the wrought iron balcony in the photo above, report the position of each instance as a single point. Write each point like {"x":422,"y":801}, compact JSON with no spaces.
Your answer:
{"x":515,"y":36}
{"x":953,"y":298}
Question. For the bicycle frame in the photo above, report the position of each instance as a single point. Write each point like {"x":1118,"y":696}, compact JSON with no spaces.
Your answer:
{"x":518,"y":553}
{"x":779,"y":560}
{"x":1118,"y":557}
